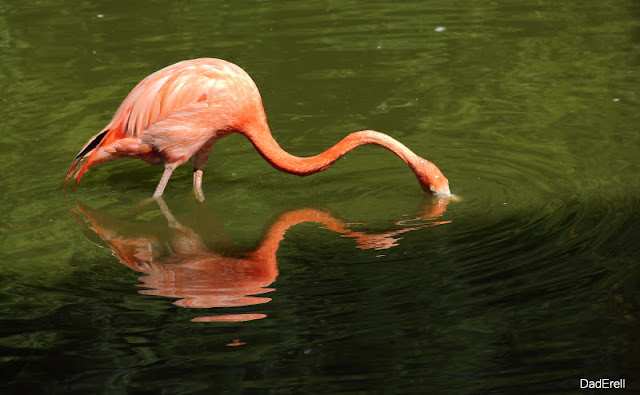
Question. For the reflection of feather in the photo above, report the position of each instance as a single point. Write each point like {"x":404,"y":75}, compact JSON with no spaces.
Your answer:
{"x":179,"y":264}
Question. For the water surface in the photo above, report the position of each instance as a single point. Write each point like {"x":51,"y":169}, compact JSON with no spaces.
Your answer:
{"x":346,"y":281}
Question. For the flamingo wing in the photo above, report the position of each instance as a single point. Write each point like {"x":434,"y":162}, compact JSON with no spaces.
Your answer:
{"x":168,"y":91}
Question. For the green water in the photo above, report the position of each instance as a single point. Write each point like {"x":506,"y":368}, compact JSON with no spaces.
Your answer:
{"x":527,"y":284}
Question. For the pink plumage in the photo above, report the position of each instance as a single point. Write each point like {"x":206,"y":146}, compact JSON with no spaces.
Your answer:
{"x":177,"y":114}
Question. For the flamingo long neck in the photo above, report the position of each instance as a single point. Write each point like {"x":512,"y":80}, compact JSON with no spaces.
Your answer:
{"x":266,"y":145}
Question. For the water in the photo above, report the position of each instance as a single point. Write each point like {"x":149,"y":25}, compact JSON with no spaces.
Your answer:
{"x":349,"y":280}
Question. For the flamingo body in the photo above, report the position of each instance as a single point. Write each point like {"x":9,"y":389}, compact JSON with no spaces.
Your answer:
{"x":178,"y":113}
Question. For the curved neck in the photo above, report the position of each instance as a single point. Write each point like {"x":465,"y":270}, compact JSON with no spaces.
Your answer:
{"x":265,"y":144}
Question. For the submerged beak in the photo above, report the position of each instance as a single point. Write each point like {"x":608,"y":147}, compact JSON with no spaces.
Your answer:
{"x":437,"y":193}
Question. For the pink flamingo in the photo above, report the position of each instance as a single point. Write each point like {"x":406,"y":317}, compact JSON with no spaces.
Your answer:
{"x":178,"y":113}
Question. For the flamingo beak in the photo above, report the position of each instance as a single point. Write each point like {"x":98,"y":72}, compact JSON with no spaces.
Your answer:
{"x":437,"y":193}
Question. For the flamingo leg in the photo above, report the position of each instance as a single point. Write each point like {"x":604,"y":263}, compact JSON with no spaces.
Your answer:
{"x":198,"y":161}
{"x":163,"y":181}
{"x":197,"y":184}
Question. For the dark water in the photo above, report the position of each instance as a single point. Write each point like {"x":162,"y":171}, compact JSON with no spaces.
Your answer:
{"x":346,"y":281}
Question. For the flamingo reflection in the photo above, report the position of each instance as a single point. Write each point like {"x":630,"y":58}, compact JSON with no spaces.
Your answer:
{"x":177,"y":262}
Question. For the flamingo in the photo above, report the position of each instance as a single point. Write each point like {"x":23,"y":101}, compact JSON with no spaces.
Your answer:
{"x":178,"y":113}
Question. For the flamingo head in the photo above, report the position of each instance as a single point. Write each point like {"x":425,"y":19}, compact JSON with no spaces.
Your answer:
{"x":431,"y":178}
